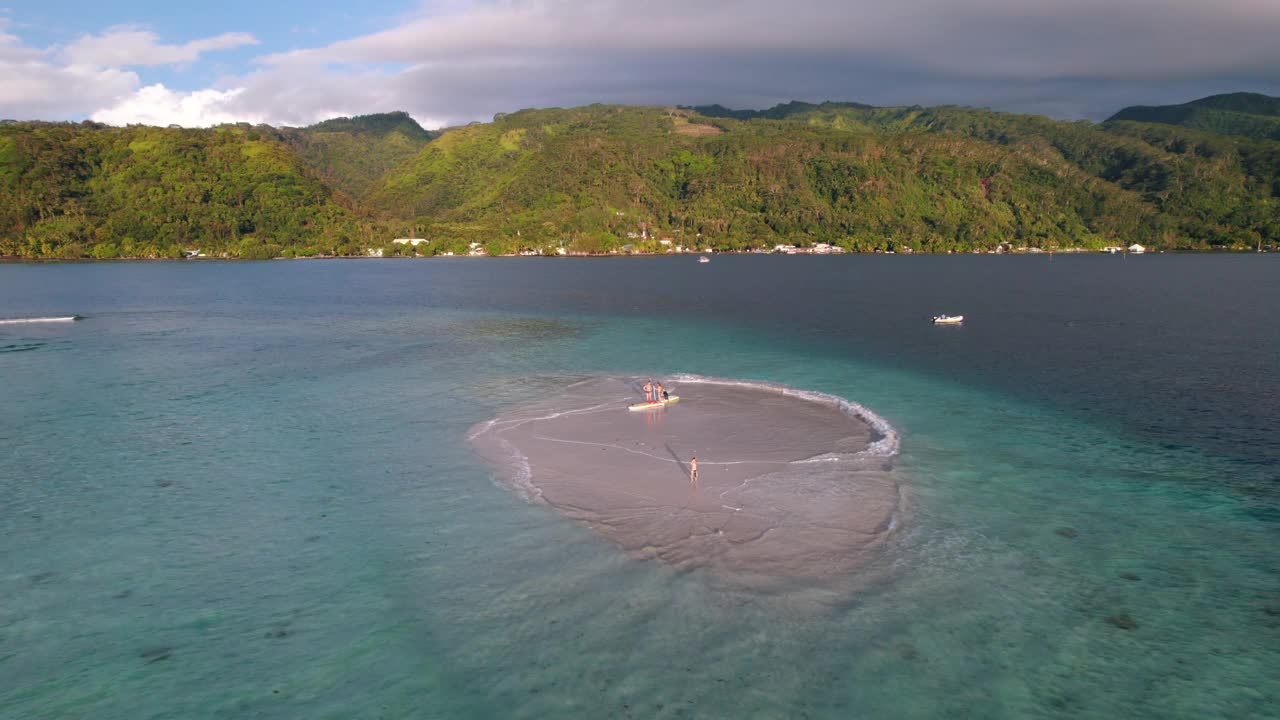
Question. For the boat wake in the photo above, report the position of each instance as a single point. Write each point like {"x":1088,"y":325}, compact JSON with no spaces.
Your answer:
{"x":29,"y":321}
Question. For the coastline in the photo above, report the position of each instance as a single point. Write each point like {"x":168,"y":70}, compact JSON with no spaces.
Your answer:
{"x":35,"y":260}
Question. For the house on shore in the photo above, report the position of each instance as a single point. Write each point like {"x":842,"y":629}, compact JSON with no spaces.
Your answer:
{"x":1137,"y":249}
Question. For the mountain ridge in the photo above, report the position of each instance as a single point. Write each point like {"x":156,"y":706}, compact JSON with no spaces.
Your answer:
{"x":602,"y":178}
{"x":1251,"y":115}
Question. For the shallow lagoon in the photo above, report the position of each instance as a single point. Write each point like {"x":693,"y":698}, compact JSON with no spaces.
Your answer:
{"x":245,"y":489}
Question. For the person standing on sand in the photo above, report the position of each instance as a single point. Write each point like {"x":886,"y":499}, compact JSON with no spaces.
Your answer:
{"x":693,"y":471}
{"x":648,"y":390}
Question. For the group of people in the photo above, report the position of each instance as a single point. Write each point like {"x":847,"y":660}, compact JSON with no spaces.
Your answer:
{"x":654,"y":392}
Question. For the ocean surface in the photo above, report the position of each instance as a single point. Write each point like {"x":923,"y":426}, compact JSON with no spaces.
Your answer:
{"x":244,"y":490}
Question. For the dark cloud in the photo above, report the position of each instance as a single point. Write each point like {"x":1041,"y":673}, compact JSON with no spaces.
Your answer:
{"x":1071,"y":60}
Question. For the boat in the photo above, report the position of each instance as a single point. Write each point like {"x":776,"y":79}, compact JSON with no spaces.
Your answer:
{"x":704,"y":258}
{"x":948,"y":319}
{"x":654,"y":404}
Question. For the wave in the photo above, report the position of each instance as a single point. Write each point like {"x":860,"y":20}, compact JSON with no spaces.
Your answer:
{"x":886,"y":445}
{"x":24,"y":321}
{"x":20,"y":347}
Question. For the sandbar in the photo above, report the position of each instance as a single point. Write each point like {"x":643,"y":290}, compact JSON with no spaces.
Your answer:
{"x":791,"y":484}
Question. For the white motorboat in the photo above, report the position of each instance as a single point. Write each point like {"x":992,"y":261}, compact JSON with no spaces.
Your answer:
{"x":948,"y":319}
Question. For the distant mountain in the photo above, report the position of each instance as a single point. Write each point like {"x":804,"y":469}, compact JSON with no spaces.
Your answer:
{"x":935,"y":179}
{"x":1245,"y":114}
{"x":379,"y":124}
{"x":782,"y":111}
{"x":606,"y":177}
{"x":352,"y":154}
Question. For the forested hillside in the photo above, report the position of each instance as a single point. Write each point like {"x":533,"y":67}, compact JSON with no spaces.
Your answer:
{"x":82,"y":190}
{"x":602,"y":178}
{"x":1246,"y":114}
{"x":591,"y":175}
{"x":352,"y":154}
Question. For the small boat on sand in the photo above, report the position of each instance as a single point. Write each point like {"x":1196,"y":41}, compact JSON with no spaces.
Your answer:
{"x":948,"y":319}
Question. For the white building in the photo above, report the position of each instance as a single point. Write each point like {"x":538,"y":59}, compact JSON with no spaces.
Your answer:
{"x":1136,"y":248}
{"x":409,"y":241}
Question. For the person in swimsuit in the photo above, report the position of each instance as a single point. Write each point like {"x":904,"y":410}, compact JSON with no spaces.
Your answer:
{"x":693,"y":471}
{"x":648,"y":391}
{"x":659,"y":392}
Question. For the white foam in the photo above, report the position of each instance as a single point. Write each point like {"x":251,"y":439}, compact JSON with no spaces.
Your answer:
{"x":24,"y":321}
{"x":521,"y":480}
{"x":886,"y":445}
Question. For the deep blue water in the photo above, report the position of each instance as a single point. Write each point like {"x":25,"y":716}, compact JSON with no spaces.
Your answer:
{"x":243,"y":490}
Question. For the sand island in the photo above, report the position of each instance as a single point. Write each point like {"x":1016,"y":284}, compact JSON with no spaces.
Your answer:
{"x":791,"y":484}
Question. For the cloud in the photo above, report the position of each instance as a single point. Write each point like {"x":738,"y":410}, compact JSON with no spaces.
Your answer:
{"x":125,"y":46}
{"x":158,"y":105}
{"x":463,"y":60}
{"x":1081,"y":59}
{"x":36,"y":88}
{"x":70,"y":82}
{"x":275,"y":98}
{"x":1004,"y":37}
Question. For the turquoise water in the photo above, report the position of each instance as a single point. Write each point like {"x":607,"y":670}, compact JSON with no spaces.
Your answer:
{"x":243,"y":490}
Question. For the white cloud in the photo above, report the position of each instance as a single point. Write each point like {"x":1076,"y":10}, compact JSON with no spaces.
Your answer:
{"x":274,"y":98}
{"x":35,"y":88}
{"x":124,"y":46}
{"x":70,"y":82}
{"x":158,"y":105}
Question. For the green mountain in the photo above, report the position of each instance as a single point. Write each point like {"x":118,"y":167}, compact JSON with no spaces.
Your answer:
{"x":92,"y":190}
{"x":932,"y":178}
{"x":1246,"y":114}
{"x":352,"y":154}
{"x":603,"y":178}
{"x":594,"y":174}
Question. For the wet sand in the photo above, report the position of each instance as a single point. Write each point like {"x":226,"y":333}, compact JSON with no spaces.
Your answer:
{"x":789,"y":486}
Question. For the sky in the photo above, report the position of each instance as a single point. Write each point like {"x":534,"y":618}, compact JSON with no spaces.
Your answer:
{"x":449,"y":62}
